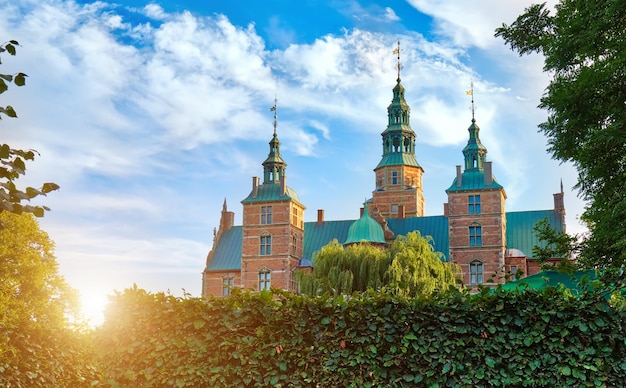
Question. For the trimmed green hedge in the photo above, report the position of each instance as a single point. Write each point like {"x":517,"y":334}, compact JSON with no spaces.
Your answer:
{"x":531,"y":338}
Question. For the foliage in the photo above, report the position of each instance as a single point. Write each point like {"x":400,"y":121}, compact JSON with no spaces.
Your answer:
{"x":494,"y":338}
{"x":12,"y":160}
{"x":409,"y":267}
{"x":555,"y":244}
{"x":416,"y":269}
{"x":38,"y":346}
{"x":584,"y":44}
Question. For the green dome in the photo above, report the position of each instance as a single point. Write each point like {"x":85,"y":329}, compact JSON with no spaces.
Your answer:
{"x":365,"y":229}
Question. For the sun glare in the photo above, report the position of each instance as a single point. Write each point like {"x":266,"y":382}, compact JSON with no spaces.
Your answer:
{"x":93,"y":303}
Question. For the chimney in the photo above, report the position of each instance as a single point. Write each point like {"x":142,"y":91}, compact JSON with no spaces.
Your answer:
{"x":559,"y":205}
{"x":446,"y":210}
{"x":488,"y":174}
{"x":229,"y":220}
{"x":361,"y":212}
{"x":283,"y":185}
{"x":255,"y":186}
{"x":459,"y":176}
{"x":320,"y":216}
{"x":401,"y":211}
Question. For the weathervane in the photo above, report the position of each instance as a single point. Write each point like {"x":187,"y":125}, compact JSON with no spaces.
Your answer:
{"x":273,"y":109}
{"x":471,"y":93}
{"x":397,"y":51}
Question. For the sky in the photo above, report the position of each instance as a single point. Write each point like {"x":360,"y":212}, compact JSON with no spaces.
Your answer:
{"x":150,"y":114}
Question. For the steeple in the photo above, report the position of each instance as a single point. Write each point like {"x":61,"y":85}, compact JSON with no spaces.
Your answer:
{"x":274,"y":166}
{"x":398,"y":138}
{"x":398,"y":175}
{"x":474,"y":152}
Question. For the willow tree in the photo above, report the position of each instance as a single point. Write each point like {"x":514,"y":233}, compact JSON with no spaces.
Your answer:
{"x":415,"y":268}
{"x":409,"y":266}
{"x":344,"y":270}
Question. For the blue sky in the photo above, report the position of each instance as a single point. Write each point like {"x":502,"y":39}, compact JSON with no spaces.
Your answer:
{"x":149,"y":115}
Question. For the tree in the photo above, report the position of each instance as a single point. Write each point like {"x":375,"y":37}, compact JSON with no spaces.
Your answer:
{"x":12,"y":160}
{"x":409,"y":267}
{"x":38,"y":344}
{"x":584,"y":45}
{"x":416,"y":269}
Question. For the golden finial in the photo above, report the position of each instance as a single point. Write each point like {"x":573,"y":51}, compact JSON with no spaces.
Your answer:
{"x":273,"y":109}
{"x":397,"y":52}
{"x":471,"y":93}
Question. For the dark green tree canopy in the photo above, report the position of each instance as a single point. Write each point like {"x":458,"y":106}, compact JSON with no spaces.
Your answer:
{"x":584,"y":45}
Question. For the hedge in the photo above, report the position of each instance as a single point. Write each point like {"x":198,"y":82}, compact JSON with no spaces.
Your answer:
{"x":494,"y":338}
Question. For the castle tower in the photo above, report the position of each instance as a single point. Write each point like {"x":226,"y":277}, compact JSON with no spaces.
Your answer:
{"x":273,"y":226}
{"x":476,"y":215}
{"x":398,"y":190}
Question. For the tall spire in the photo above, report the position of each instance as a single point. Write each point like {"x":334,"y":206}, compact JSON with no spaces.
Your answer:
{"x":475,"y":153}
{"x":398,"y":138}
{"x":274,"y":165}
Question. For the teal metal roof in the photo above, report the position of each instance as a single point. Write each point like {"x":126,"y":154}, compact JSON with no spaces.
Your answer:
{"x":397,"y":159}
{"x":520,"y":233}
{"x":317,"y":235}
{"x":434,"y":226}
{"x":365,"y":229}
{"x":546,"y":279}
{"x":268,"y":192}
{"x":227,"y":255}
{"x":473,"y":180}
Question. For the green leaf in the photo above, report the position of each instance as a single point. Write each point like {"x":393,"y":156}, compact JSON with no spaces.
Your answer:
{"x":199,"y":323}
{"x":408,"y":378}
{"x":20,"y":79}
{"x":10,"y":48}
{"x":8,"y":110}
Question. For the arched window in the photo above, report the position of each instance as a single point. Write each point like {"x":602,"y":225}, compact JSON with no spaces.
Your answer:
{"x":265,"y":279}
{"x":475,"y":235}
{"x":476,"y":272}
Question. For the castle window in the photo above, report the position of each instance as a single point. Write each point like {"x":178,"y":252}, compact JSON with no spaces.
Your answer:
{"x":475,"y":235}
{"x":265,"y":279}
{"x":513,"y":273}
{"x":394,"y":208}
{"x":474,"y":204}
{"x":266,"y":245}
{"x":295,"y":216}
{"x":266,"y":214}
{"x":227,"y":285}
{"x":476,"y":272}
{"x":394,"y":178}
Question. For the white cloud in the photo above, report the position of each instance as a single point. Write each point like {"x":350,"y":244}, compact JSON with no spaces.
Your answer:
{"x":391,"y":15}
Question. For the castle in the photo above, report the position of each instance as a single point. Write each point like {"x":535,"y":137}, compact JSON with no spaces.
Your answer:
{"x":474,"y":232}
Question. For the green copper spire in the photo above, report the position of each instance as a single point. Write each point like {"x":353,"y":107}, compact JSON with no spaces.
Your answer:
{"x":398,"y":138}
{"x":475,"y":153}
{"x":274,"y":166}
